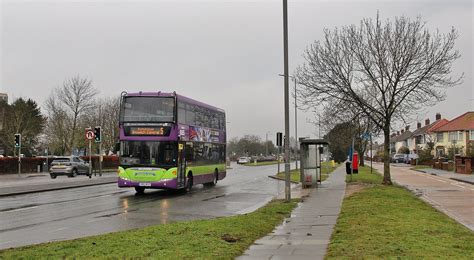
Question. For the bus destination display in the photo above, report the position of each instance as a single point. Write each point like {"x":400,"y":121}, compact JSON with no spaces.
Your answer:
{"x":155,"y":131}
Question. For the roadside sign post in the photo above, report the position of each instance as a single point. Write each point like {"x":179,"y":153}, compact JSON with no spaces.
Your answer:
{"x":98,"y":139}
{"x":90,"y":136}
{"x":47,"y":163}
{"x":278,"y":143}
{"x":18,"y":145}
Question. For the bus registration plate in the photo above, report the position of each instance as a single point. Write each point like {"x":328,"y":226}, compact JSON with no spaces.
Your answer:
{"x":144,"y":184}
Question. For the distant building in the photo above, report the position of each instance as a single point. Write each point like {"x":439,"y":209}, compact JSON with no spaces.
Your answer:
{"x":399,"y":140}
{"x":4,"y":97}
{"x":423,"y":135}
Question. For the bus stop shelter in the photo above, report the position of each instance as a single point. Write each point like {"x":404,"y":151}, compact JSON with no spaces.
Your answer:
{"x":310,"y":159}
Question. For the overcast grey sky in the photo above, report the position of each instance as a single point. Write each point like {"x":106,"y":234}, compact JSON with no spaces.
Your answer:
{"x":225,"y":53}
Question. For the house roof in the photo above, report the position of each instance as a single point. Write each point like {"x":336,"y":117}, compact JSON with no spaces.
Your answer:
{"x":438,"y":124}
{"x":401,"y":137}
{"x":428,"y":128}
{"x":462,"y":122}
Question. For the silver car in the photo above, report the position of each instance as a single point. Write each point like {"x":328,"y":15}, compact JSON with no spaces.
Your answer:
{"x":69,"y":165}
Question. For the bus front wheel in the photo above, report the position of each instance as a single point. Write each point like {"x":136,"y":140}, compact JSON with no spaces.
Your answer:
{"x":140,"y":190}
{"x":189,"y":184}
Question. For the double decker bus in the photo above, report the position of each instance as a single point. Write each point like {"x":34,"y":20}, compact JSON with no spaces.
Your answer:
{"x":168,"y":141}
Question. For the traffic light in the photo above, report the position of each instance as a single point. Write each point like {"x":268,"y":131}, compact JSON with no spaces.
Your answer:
{"x":97,"y":136}
{"x":279,"y":138}
{"x":17,"y":140}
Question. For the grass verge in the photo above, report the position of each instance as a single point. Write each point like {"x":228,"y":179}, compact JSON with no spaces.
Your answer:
{"x":295,"y":173}
{"x":222,"y":238}
{"x":261,"y":163}
{"x":389,"y":222}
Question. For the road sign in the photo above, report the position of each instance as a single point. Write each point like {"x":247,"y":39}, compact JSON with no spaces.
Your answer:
{"x":89,"y":134}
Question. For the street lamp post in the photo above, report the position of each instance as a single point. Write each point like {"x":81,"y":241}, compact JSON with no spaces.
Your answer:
{"x":296,"y":122}
{"x":266,"y":143}
{"x":296,"y":130}
{"x":287,"y":113}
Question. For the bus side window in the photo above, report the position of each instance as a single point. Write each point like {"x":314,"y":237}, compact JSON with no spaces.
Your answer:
{"x":189,"y":152}
{"x":181,"y":113}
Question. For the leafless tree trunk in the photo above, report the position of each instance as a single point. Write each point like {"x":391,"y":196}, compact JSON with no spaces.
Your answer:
{"x":77,"y":94}
{"x":388,"y":70}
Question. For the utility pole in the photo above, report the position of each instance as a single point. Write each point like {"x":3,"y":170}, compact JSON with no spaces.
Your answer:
{"x":266,"y":144}
{"x":287,"y":112}
{"x":296,"y":129}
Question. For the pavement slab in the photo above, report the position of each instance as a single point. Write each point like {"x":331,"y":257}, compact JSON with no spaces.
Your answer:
{"x":307,"y":232}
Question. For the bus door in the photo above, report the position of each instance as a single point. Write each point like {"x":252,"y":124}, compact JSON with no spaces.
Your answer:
{"x":181,"y":165}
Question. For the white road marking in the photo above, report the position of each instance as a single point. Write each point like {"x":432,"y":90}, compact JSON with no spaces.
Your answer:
{"x":23,"y":209}
{"x":58,"y":229}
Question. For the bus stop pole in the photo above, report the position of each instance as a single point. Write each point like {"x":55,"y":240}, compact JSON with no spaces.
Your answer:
{"x":19,"y":161}
{"x":100,"y":158}
{"x":90,"y":159}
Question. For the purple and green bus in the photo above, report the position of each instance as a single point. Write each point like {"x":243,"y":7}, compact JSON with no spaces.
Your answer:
{"x":168,"y":141}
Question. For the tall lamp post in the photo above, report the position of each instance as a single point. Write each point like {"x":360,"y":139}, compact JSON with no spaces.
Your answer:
{"x":266,"y":143}
{"x":296,"y":122}
{"x":287,"y":112}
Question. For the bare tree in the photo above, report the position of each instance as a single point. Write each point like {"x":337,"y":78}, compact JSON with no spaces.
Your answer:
{"x":106,"y":115}
{"x":388,"y":70}
{"x":58,"y":127}
{"x":77,"y":94}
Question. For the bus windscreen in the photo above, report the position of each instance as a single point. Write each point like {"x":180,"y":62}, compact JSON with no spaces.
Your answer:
{"x":148,"y":109}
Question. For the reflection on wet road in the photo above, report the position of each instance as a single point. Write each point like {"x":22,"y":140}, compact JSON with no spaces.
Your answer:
{"x":72,"y":213}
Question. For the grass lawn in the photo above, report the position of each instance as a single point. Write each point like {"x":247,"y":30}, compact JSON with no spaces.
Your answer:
{"x":222,"y":238}
{"x":295,"y":173}
{"x":365,"y":176}
{"x":389,"y":222}
{"x":262,"y":163}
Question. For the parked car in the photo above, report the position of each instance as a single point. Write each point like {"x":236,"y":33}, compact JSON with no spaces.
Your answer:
{"x":412,"y":156}
{"x":399,"y":158}
{"x":243,"y":160}
{"x":68,"y":165}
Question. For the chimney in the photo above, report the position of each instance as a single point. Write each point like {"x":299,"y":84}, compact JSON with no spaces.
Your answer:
{"x":418,"y":125}
{"x":438,"y":116}
{"x":403,"y":130}
{"x":407,"y":128}
{"x":427,"y":121}
{"x":398,"y":132}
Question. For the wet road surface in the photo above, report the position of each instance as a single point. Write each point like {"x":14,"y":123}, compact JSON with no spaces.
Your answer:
{"x":73,"y":213}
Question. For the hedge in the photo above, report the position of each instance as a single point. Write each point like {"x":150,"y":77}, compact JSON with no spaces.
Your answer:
{"x":30,"y":164}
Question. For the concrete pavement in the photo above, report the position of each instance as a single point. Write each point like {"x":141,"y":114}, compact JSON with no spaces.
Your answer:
{"x":12,"y":184}
{"x":307,"y":232}
{"x":455,"y":199}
